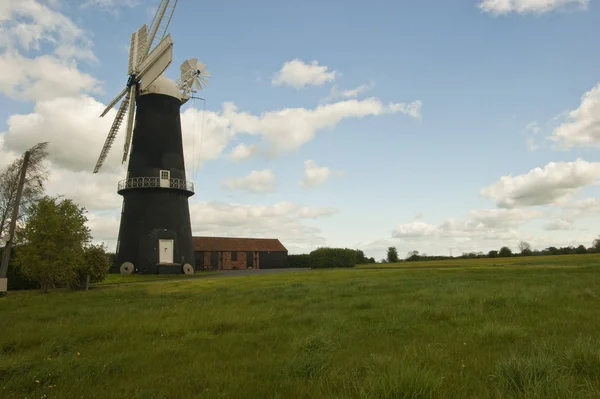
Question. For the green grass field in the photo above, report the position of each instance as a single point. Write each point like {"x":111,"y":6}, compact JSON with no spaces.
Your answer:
{"x":471,"y":329}
{"x":131,"y":278}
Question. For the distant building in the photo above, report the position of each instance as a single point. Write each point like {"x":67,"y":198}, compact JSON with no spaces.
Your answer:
{"x":229,"y":253}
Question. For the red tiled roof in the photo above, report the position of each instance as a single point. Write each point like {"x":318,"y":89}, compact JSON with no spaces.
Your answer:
{"x":215,"y":244}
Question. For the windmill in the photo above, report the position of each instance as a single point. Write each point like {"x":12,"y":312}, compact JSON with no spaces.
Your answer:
{"x":155,"y":231}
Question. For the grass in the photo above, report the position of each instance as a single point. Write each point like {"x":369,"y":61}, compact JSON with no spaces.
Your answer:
{"x":453,"y":332}
{"x":114,"y":278}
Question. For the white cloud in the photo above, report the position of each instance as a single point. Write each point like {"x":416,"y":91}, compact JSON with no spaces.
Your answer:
{"x":498,"y":7}
{"x":113,"y":4}
{"x":414,"y":229}
{"x":28,"y":23}
{"x":479,"y":224}
{"x":96,"y":192}
{"x":258,"y":181}
{"x":412,"y":109}
{"x":43,"y":78}
{"x":583,"y":125}
{"x":73,"y":129}
{"x":308,"y":212}
{"x":206,"y":134}
{"x":280,"y":220}
{"x":543,"y":186}
{"x":533,"y":127}
{"x":242,"y":152}
{"x":298,"y":74}
{"x":315,"y":174}
{"x":291,"y":128}
{"x":335,"y":93}
{"x":559,"y":224}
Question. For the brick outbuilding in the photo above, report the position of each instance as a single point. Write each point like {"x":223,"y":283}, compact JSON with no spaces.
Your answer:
{"x":230,"y":253}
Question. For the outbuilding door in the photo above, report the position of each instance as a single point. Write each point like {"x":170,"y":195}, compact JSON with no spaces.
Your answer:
{"x":165,"y":251}
{"x":214,"y":260}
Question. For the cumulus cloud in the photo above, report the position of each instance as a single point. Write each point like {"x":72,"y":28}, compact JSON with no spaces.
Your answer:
{"x":335,"y":93}
{"x":43,"y":78}
{"x":308,"y":212}
{"x":280,"y":220}
{"x":242,"y":152}
{"x":498,"y":7}
{"x":291,"y":128}
{"x":27,"y":24}
{"x":543,"y":186}
{"x":94,"y":192}
{"x":478,"y":224}
{"x":258,"y":181}
{"x":560,"y":224}
{"x":298,"y":74}
{"x":582,"y":127}
{"x":315,"y":175}
{"x":73,"y":129}
{"x":414,"y":229}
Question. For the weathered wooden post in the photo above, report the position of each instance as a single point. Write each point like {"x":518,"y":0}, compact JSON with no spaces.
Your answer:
{"x":12,"y":227}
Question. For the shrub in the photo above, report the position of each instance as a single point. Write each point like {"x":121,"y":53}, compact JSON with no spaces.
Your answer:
{"x":332,"y":257}
{"x":95,"y":264}
{"x":16,"y":279}
{"x":299,"y":261}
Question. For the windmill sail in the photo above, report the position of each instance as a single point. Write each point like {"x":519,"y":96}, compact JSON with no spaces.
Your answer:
{"x":129,"y":123}
{"x":145,"y":64}
{"x":156,"y":62}
{"x":113,"y":131}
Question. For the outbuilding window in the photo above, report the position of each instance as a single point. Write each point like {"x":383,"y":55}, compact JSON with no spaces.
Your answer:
{"x":234,"y":256}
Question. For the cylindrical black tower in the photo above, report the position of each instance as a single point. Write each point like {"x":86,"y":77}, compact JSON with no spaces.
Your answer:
{"x":155,"y":234}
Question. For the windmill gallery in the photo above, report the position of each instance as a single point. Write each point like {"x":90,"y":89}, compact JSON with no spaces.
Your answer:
{"x":155,"y":234}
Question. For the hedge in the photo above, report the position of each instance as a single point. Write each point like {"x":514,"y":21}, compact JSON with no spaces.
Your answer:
{"x":299,"y":261}
{"x":322,"y":258}
{"x":16,"y":281}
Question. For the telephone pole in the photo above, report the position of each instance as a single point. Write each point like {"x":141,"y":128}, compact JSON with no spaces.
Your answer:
{"x":13,"y":225}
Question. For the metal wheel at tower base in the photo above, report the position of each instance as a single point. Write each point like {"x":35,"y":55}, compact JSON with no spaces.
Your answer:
{"x":188,"y":269}
{"x":127,"y":268}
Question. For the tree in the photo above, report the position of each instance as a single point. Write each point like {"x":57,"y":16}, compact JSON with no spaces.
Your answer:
{"x":96,"y":262}
{"x":505,"y":252}
{"x":54,"y":241}
{"x":525,"y":248}
{"x":36,"y":176}
{"x":596,"y":244}
{"x":580,"y":249}
{"x":392,"y":255}
{"x":493,"y":254}
{"x":360,"y":257}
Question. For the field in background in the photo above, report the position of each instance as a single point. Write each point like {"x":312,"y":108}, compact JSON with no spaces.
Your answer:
{"x":476,"y":331}
{"x":545,"y":261}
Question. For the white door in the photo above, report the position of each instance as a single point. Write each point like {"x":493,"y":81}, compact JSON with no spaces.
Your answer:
{"x":165,"y":176}
{"x":165,"y":253}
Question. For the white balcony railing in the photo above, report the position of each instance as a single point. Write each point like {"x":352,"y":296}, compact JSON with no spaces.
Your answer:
{"x":150,"y":182}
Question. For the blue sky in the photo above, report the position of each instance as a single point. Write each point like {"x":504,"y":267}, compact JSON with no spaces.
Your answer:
{"x":494,"y":80}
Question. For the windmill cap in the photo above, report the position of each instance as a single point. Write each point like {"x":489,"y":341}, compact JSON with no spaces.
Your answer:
{"x":163,"y":85}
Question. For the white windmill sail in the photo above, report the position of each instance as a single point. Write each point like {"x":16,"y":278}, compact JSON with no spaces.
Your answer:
{"x":145,"y":65}
{"x":156,"y":62}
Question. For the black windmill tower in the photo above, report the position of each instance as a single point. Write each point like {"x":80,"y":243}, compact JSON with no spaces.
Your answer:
{"x":155,"y":234}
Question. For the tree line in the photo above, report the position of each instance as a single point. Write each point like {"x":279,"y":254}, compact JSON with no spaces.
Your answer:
{"x":524,"y":249}
{"x":52,"y":245}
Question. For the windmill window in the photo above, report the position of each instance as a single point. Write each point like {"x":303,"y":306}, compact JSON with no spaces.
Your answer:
{"x":165,"y":174}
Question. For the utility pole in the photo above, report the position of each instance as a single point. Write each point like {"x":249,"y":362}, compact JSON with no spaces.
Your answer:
{"x":450,"y":251}
{"x":13,"y":225}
